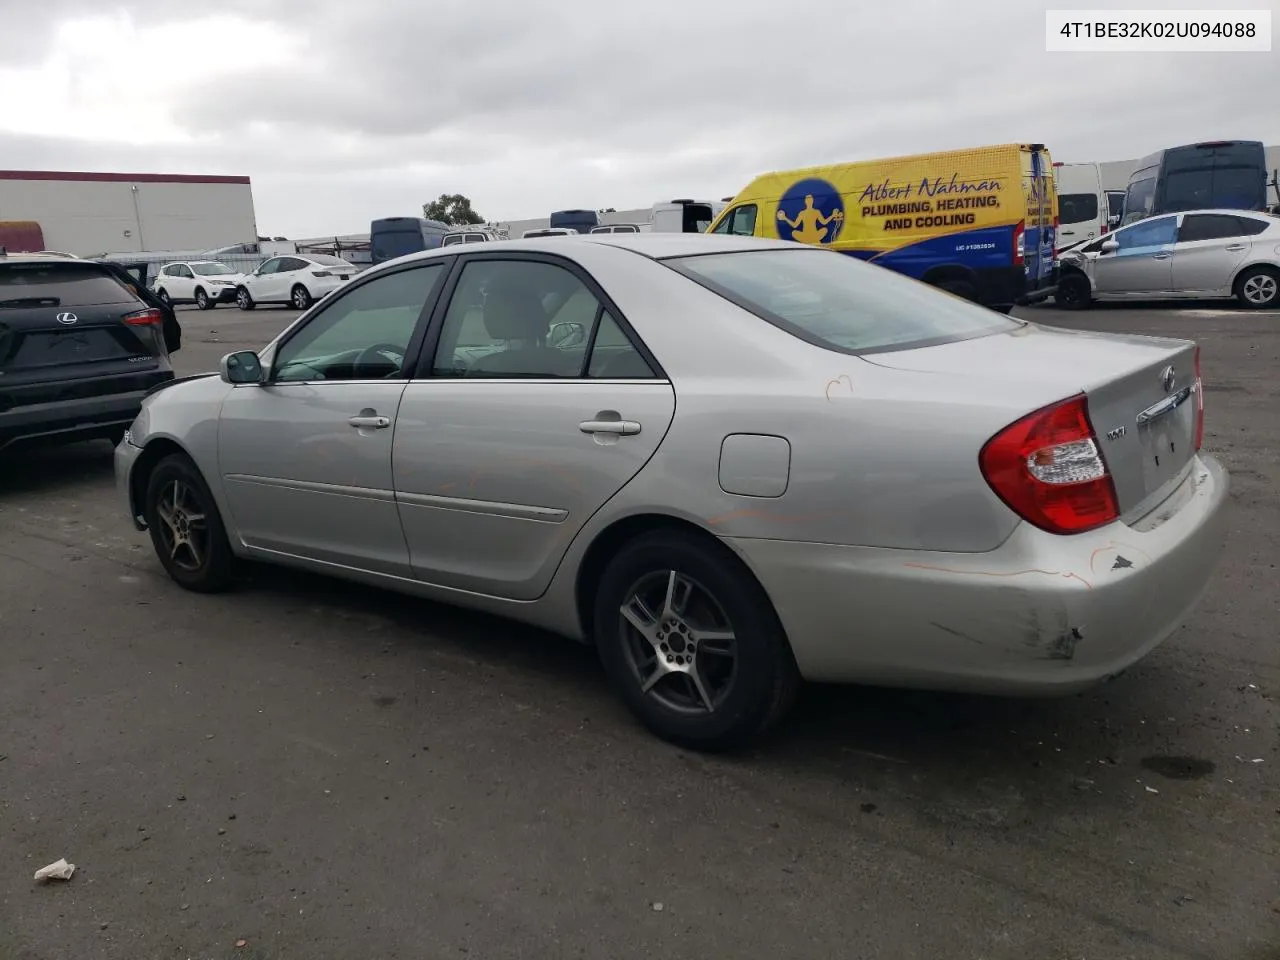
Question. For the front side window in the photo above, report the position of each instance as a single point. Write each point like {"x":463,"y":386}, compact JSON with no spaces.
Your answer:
{"x":363,"y":335}
{"x":270,"y":266}
{"x":1148,"y":233}
{"x":834,"y":301}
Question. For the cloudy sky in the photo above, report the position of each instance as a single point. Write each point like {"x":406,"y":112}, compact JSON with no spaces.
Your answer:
{"x":346,"y":110}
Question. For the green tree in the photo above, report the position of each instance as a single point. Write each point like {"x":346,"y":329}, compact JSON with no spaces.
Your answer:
{"x":451,"y":208}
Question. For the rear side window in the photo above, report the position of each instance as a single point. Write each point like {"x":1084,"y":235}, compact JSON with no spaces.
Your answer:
{"x":62,"y":284}
{"x":1209,"y":226}
{"x":834,"y":301}
{"x":1077,"y":207}
{"x":1251,"y":227}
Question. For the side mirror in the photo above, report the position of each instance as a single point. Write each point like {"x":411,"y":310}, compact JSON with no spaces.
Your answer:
{"x":1110,"y":246}
{"x":242,"y":367}
{"x":566,"y":335}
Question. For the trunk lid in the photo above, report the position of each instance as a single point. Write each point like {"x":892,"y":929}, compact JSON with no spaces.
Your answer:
{"x":63,"y":320}
{"x":1141,"y":393}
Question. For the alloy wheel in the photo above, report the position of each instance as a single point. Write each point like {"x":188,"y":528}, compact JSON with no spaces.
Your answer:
{"x":1259,"y":289}
{"x":183,"y":529}
{"x":679,"y":643}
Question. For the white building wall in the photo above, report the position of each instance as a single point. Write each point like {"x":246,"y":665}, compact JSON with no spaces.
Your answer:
{"x":92,"y":216}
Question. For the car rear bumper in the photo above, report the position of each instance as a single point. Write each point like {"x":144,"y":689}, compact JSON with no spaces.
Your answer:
{"x":68,"y":420}
{"x":1040,"y":615}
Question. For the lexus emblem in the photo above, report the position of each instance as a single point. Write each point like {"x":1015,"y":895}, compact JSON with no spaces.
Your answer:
{"x":1167,"y":379}
{"x":67,"y":318}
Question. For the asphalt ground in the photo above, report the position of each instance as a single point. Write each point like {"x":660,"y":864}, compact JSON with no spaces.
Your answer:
{"x":315,"y":770}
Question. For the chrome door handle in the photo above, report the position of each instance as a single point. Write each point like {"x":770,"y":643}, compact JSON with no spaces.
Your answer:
{"x":1236,"y":247}
{"x":1160,"y":256}
{"x":624,"y":428}
{"x":370,"y":423}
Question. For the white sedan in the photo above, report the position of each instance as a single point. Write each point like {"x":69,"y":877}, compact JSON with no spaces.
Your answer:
{"x":295,"y":280}
{"x":206,"y":283}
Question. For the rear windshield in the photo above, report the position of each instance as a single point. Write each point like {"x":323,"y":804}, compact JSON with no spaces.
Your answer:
{"x":834,"y":301}
{"x":63,"y":283}
{"x":1077,"y":207}
{"x":326,"y":260}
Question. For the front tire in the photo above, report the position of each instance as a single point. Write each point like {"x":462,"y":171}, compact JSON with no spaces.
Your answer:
{"x":1258,"y":288}
{"x":186,"y":527}
{"x":300,"y":297}
{"x":1073,"y":292}
{"x":244,"y":300}
{"x":691,"y":643}
{"x":202,"y":299}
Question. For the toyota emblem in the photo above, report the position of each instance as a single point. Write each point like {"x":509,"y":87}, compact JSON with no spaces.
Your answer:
{"x":67,"y":318}
{"x":1167,"y":379}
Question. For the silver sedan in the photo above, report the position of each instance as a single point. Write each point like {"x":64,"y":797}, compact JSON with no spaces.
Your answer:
{"x":728,"y":463}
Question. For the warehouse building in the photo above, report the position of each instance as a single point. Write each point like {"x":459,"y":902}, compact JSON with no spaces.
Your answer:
{"x":88,"y":214}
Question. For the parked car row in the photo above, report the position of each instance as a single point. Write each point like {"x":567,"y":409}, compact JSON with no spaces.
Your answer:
{"x":296,"y":280}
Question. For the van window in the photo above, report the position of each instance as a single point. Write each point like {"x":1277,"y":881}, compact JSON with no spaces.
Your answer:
{"x":837,"y":302}
{"x":740,"y":221}
{"x":1077,"y":207}
{"x":1139,"y":199}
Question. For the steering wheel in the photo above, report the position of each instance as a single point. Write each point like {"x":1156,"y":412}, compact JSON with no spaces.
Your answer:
{"x":390,"y":352}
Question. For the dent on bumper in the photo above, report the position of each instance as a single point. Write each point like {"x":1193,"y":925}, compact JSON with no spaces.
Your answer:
{"x":1042,"y":614}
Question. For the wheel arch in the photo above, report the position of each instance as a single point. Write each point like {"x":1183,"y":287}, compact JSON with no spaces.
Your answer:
{"x":617,"y":534}
{"x":950,"y":273}
{"x":155,"y":450}
{"x":1267,"y":265}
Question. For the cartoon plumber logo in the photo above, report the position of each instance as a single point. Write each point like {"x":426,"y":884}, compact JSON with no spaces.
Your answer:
{"x":811,"y":211}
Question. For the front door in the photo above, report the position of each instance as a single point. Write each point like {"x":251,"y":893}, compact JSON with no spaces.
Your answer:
{"x":258,"y":283}
{"x":1144,"y":263}
{"x":1210,"y":249}
{"x":537,"y":408}
{"x":306,"y":457}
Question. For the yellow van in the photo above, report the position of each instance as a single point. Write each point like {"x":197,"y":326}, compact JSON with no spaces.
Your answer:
{"x":978,"y":222}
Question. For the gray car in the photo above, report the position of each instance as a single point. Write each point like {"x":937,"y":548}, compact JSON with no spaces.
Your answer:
{"x":729,"y":463}
{"x":1202,"y":254}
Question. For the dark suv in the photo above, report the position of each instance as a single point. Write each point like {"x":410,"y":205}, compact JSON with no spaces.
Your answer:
{"x":79,"y":347}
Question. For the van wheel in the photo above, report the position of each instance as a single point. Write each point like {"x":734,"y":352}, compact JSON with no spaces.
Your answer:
{"x":202,"y":299}
{"x":1073,"y":292}
{"x":1259,"y":288}
{"x":691,"y":642}
{"x":960,"y":288}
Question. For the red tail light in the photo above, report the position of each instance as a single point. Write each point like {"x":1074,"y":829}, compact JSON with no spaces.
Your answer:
{"x":1019,"y":242}
{"x":1198,"y":386}
{"x":144,"y":318}
{"x":1047,"y":468}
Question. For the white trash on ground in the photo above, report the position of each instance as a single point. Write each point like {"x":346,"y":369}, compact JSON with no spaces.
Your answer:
{"x":61,"y":870}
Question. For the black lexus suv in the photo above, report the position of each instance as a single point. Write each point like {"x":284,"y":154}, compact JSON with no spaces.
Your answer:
{"x":79,"y":347}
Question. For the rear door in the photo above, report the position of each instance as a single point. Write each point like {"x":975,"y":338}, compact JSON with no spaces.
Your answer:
{"x":1039,"y":229}
{"x":71,"y":320}
{"x":1210,"y":249}
{"x":505,"y":446}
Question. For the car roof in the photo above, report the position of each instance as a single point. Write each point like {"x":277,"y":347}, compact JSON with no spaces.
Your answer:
{"x":656,"y":246}
{"x":40,"y":257}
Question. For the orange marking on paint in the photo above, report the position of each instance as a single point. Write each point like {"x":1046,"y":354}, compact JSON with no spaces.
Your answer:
{"x":991,"y":573}
{"x":836,"y":382}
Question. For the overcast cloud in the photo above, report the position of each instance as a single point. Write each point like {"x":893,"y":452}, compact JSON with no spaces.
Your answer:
{"x":342,"y":111}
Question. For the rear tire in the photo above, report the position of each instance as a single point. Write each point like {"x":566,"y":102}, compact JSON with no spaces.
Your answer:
{"x":202,"y":299}
{"x":1073,"y":292}
{"x":186,"y":527}
{"x":300,"y":297}
{"x":739,"y":677}
{"x":1258,"y":288}
{"x":163,"y":294}
{"x":243,"y":300}
{"x":960,"y":288}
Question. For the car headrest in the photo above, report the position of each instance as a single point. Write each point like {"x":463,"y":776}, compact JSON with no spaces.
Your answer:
{"x":513,"y":310}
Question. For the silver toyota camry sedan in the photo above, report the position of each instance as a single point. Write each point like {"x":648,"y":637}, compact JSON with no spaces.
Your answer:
{"x":730,"y":464}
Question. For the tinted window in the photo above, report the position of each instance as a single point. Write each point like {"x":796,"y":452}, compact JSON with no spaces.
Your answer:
{"x":1209,"y":226}
{"x":396,"y":243}
{"x":1188,"y":190}
{"x":516,"y":319}
{"x":1115,"y":204}
{"x":1077,"y":207}
{"x":60,"y":283}
{"x":838,"y":302}
{"x":1149,"y":233}
{"x":614,"y":357}
{"x":338,"y":342}
{"x":1139,"y":200}
{"x":1251,"y":227}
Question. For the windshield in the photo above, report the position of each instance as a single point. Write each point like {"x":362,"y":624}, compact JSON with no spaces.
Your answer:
{"x":212,"y":269}
{"x":1139,"y":200}
{"x":834,"y":301}
{"x":1077,"y":207}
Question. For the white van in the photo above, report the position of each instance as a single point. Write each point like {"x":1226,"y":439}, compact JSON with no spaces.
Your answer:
{"x":1083,"y":209}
